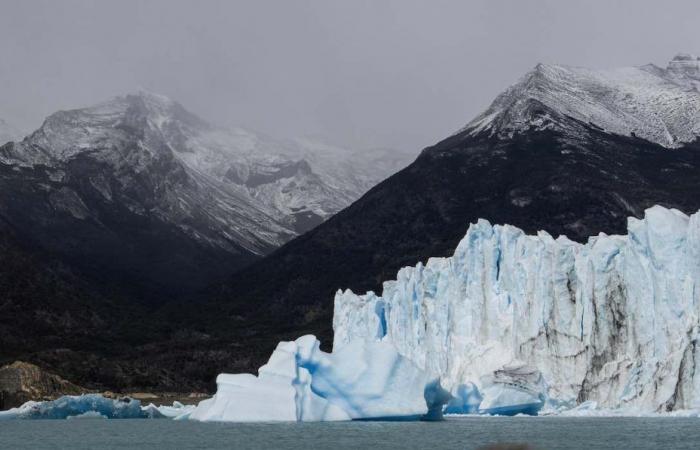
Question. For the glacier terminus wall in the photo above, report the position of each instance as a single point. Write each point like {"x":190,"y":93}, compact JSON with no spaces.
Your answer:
{"x":613,"y":321}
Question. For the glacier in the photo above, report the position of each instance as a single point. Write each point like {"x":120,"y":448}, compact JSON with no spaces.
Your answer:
{"x":510,"y":324}
{"x":613,"y":321}
{"x":363,"y":380}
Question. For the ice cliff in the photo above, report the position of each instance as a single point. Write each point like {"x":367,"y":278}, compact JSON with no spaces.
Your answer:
{"x":613,"y":321}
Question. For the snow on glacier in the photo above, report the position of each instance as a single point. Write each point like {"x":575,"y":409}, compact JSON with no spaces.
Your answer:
{"x":613,"y":321}
{"x":300,"y":382}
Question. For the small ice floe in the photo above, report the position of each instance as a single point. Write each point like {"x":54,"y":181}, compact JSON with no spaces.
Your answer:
{"x":93,"y":406}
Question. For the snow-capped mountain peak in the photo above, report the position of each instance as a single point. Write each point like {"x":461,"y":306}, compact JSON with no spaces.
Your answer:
{"x":244,"y":189}
{"x":66,"y":134}
{"x":659,"y":105}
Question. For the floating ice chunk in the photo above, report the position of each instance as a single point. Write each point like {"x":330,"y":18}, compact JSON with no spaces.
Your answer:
{"x":87,"y":415}
{"x":362,"y":380}
{"x":176,"y":411}
{"x":281,"y":391}
{"x":95,"y":406}
{"x":77,"y":405}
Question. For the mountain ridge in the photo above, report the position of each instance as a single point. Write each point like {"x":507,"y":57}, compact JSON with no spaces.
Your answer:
{"x":658,"y":105}
{"x":557,"y":173}
{"x":545,"y":170}
{"x":140,"y":188}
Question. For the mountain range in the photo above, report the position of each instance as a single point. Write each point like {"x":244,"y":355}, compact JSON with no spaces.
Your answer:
{"x":568,"y":150}
{"x":138,"y":191}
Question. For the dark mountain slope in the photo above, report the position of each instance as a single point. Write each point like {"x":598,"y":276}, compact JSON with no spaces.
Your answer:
{"x":566,"y":149}
{"x":53,"y":317}
{"x":140,"y":254}
{"x":142,"y":195}
{"x":569,"y":178}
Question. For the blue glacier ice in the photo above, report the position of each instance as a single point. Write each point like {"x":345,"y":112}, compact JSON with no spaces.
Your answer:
{"x":92,"y":406}
{"x":87,"y":405}
{"x":615,"y":321}
{"x":465,"y":400}
{"x":363,"y":380}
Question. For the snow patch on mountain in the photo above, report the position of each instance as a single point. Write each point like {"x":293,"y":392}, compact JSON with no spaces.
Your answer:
{"x":241,"y":188}
{"x":615,"y":321}
{"x":652,"y":103}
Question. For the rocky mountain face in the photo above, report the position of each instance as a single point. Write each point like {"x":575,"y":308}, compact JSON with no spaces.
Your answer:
{"x":570,"y":151}
{"x":138,"y":191}
{"x":655,"y":104}
{"x":21,"y":382}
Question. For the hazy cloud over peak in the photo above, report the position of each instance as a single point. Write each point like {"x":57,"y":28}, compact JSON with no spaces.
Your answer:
{"x":361,"y":73}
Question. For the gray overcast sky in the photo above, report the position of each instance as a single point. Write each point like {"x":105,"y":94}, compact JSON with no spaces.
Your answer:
{"x":360,"y":73}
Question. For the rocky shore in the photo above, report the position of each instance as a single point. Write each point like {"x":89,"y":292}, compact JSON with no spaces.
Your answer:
{"x":21,"y":382}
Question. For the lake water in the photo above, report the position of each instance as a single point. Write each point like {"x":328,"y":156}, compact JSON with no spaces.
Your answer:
{"x":454,"y":433}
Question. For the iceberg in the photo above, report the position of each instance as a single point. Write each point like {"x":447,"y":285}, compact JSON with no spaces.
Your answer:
{"x":362,"y":380}
{"x":176,"y":411}
{"x":614,"y":321}
{"x":77,"y":406}
{"x":94,"y":406}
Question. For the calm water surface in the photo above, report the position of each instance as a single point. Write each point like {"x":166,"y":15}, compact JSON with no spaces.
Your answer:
{"x":454,"y":433}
